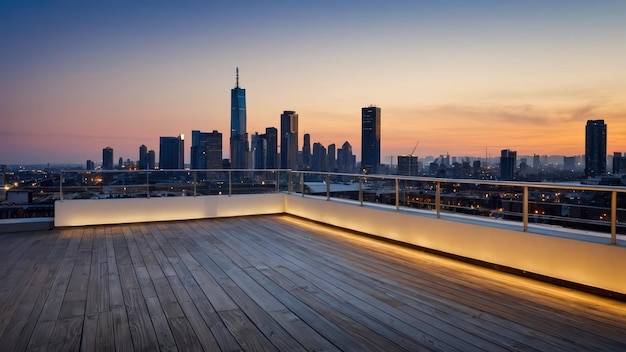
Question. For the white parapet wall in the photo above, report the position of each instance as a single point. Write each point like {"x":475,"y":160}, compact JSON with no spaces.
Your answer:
{"x":83,"y":212}
{"x":591,"y":264}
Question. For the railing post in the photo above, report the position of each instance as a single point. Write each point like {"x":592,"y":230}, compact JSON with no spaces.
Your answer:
{"x":289,"y":182}
{"x":195,"y":181}
{"x":147,"y":184}
{"x":302,"y":184}
{"x":60,"y":185}
{"x":614,"y":217}
{"x":277,"y":181}
{"x":230,"y":182}
{"x":361,"y":190}
{"x":327,"y":186}
{"x":397,"y":194}
{"x":438,"y":199}
{"x":525,"y":209}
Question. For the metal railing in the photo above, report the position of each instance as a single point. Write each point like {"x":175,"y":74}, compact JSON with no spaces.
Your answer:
{"x":600,"y":209}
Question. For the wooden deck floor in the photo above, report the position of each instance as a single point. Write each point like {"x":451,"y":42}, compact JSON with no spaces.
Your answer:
{"x":275,"y":283}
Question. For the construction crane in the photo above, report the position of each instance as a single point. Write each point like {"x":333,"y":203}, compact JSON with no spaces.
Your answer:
{"x":413,"y":151}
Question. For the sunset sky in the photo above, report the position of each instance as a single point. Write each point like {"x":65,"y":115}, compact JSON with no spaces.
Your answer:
{"x":459,"y":76}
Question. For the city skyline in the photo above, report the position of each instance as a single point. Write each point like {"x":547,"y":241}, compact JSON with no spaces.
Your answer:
{"x":464,"y":79}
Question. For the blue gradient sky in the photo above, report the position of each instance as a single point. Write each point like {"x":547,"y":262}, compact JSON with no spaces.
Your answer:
{"x":460,"y":76}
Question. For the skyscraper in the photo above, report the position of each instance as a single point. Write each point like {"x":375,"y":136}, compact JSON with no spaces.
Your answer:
{"x":508,"y":161}
{"x":107,"y":158}
{"x":271,"y":135}
{"x":370,"y":139}
{"x":151,"y":160}
{"x":407,"y":165}
{"x":143,"y":157}
{"x":206,"y":150}
{"x":289,"y":140}
{"x":346,"y":161}
{"x":306,"y":152}
{"x":619,"y":163}
{"x":171,"y":152}
{"x":332,"y":157}
{"x":595,"y":148}
{"x":319,"y":160}
{"x":238,"y":135}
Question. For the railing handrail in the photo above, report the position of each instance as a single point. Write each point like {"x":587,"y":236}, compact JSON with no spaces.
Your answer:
{"x":296,"y":182}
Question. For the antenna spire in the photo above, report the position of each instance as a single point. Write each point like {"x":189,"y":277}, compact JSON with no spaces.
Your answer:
{"x":237,"y":86}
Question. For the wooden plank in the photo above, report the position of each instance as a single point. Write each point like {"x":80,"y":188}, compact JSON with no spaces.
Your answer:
{"x":141,"y":330}
{"x":246,"y":333}
{"x":161,"y":327}
{"x":66,"y":335}
{"x":184,"y":334}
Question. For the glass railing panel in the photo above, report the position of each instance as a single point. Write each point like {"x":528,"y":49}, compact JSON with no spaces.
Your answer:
{"x":416,"y":194}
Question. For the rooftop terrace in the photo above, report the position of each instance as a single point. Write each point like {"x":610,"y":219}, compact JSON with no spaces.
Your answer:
{"x":276,"y":282}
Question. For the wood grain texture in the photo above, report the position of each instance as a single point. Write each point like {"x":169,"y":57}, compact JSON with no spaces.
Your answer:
{"x":275,"y":283}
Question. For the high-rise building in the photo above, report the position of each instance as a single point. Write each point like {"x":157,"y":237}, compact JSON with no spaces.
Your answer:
{"x":151,"y":160}
{"x":508,"y":162}
{"x":319,"y":158}
{"x":143,"y":157}
{"x":595,"y":148}
{"x":346,"y":161}
{"x":332,"y":157}
{"x":238,"y":134}
{"x":206,"y":150}
{"x":90,"y":165}
{"x":569,"y":163}
{"x":258,"y":147}
{"x":171,"y":152}
{"x":271,"y":137}
{"x":370,"y":139}
{"x":107,"y":158}
{"x":306,"y":152}
{"x":289,"y":140}
{"x":407,"y":165}
{"x":619,"y":163}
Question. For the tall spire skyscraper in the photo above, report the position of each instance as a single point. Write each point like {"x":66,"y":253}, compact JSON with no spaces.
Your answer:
{"x":238,"y":135}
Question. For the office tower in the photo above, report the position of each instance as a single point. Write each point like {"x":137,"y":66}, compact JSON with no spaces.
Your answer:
{"x":171,"y":152}
{"x":508,"y":159}
{"x":90,"y":165}
{"x":332,"y":157}
{"x":407,"y":165}
{"x":319,"y":158}
{"x":306,"y":152}
{"x":120,"y":162}
{"x":476,"y":169}
{"x":289,"y":140}
{"x":214,"y":150}
{"x":143,"y":157}
{"x":346,"y":161}
{"x":619,"y":163}
{"x":238,"y":135}
{"x":595,"y":148}
{"x":569,"y":163}
{"x":107,"y":158}
{"x":259,"y":151}
{"x":206,"y":150}
{"x":151,"y":160}
{"x":271,"y":137}
{"x":536,"y":162}
{"x":370,"y":139}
